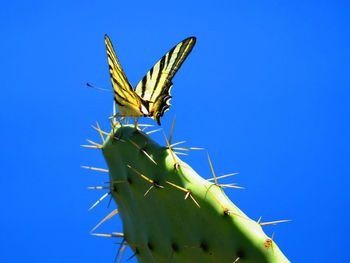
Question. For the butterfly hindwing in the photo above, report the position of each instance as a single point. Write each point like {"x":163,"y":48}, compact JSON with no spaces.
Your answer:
{"x":128,"y":102}
{"x":155,"y":87}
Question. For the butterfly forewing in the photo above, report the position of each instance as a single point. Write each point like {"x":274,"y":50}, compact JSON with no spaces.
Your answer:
{"x":128,"y":102}
{"x":155,"y":86}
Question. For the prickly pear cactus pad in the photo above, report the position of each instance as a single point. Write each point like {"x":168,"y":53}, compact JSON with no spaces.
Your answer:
{"x":170,"y":213}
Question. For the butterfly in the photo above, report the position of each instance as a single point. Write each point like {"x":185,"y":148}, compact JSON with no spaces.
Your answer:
{"x":151,"y":96}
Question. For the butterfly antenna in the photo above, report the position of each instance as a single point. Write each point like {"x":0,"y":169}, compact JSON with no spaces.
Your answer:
{"x":89,"y":85}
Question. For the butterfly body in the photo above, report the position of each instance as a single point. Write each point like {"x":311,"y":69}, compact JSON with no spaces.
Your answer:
{"x":151,"y":96}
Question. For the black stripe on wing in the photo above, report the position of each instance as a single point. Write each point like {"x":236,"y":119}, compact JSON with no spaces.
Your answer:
{"x":160,"y":72}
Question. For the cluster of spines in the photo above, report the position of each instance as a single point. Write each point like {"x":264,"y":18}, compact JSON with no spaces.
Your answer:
{"x":153,"y":184}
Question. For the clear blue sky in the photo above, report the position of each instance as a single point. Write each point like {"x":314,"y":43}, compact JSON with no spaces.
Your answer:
{"x":265,"y":91}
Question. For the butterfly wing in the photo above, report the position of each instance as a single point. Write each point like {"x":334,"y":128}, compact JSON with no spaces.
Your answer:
{"x":128,"y":102}
{"x":155,"y":87}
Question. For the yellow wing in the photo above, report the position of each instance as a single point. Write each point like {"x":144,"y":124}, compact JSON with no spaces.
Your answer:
{"x":154,"y":88}
{"x":128,"y":102}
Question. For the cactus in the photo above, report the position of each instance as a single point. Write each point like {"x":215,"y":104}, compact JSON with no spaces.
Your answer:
{"x":170,"y":213}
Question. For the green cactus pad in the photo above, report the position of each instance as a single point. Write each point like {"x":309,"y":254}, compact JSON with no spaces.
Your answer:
{"x":171,"y":214}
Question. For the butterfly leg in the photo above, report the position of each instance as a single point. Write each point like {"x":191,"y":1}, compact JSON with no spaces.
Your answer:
{"x":116,"y":116}
{"x":135,"y":123}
